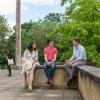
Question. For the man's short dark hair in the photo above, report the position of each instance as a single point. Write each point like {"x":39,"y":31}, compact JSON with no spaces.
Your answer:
{"x":49,"y":40}
{"x":77,"y":40}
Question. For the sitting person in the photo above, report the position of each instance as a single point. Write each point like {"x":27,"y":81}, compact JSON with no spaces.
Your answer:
{"x":29,"y":62}
{"x":78,"y":59}
{"x":50,"y":54}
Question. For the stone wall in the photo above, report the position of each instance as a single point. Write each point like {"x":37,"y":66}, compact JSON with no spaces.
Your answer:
{"x":89,"y":82}
{"x":60,"y":78}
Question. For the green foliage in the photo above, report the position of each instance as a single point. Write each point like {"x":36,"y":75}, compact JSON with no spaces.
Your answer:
{"x":83,"y":21}
{"x":39,"y":32}
{"x":4,"y":31}
{"x":53,"y":17}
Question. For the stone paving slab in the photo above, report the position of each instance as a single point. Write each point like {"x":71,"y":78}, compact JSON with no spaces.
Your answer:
{"x":12,"y":88}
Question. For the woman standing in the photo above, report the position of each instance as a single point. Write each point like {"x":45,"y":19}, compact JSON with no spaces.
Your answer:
{"x":29,"y":62}
{"x":10,"y":61}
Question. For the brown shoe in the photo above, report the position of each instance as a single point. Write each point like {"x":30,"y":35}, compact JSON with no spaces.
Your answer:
{"x":48,"y":82}
{"x":69,"y":82}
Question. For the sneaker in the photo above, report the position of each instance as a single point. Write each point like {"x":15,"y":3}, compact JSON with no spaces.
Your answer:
{"x":69,"y":82}
{"x":48,"y":82}
{"x":9,"y":75}
{"x":30,"y":88}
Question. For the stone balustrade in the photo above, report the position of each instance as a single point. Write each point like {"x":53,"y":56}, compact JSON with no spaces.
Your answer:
{"x":89,"y":82}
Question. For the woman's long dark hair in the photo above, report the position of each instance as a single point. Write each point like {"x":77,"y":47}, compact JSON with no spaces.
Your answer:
{"x":30,"y":46}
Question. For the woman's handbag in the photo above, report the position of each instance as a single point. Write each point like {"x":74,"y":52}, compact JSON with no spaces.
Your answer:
{"x":10,"y":62}
{"x":26,"y":66}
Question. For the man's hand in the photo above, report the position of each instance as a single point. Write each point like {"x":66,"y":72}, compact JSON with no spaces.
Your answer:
{"x":49,"y":64}
{"x":70,"y":63}
{"x":53,"y":60}
{"x":70,"y":60}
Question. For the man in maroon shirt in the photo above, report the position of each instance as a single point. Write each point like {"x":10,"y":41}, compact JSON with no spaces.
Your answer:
{"x":50,"y":54}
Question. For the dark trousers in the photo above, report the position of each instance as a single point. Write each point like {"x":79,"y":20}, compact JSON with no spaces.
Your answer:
{"x":49,"y":70}
{"x":9,"y":69}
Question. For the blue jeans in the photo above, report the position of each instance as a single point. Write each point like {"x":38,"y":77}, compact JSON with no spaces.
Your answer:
{"x":49,"y":71}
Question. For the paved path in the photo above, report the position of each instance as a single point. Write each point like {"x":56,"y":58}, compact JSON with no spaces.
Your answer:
{"x":11,"y":88}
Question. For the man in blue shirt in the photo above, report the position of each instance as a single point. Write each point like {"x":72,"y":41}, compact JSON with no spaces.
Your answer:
{"x":78,"y":59}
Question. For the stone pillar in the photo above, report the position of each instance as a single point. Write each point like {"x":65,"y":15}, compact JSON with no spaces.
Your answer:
{"x":18,"y":32}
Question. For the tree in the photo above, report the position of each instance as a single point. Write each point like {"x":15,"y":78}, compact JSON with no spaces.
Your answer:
{"x":39,"y":32}
{"x":4,"y":32}
{"x":53,"y":17}
{"x":83,"y":21}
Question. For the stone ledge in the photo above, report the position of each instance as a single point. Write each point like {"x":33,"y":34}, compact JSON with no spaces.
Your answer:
{"x":57,"y":67}
{"x":60,"y":78}
{"x":92,"y":72}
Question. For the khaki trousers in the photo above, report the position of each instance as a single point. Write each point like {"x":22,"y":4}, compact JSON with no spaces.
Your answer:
{"x":71,"y":70}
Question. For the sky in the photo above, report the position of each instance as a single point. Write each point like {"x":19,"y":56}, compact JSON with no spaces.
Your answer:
{"x":30,"y":9}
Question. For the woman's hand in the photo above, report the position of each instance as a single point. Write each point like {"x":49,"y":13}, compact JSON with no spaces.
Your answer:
{"x":34,"y":61}
{"x":22,"y":61}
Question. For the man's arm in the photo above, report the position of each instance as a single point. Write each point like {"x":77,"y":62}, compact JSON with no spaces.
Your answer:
{"x":45,"y":57}
{"x":71,"y":59}
{"x":55,"y":56}
{"x":81,"y":55}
